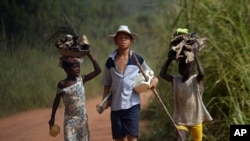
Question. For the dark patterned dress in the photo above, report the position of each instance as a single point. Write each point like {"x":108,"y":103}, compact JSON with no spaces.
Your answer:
{"x":75,"y":116}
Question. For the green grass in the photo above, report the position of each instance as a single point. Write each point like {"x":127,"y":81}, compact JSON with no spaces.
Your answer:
{"x":225,"y":60}
{"x":29,"y":79}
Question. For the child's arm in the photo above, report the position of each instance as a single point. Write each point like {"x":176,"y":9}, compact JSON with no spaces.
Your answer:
{"x":54,"y":108}
{"x":199,"y":66}
{"x":106,"y":91}
{"x":97,"y":69}
{"x":164,"y":74}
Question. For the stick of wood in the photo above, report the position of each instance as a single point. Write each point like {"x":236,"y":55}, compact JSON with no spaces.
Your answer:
{"x":158,"y":96}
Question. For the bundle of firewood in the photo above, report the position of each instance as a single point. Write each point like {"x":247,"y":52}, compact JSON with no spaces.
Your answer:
{"x":76,"y":46}
{"x":183,"y":43}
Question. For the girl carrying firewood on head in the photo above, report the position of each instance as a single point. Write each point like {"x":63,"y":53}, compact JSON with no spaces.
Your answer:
{"x":71,"y":90}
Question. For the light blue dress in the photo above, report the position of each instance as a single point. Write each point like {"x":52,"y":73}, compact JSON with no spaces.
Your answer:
{"x":75,"y":115}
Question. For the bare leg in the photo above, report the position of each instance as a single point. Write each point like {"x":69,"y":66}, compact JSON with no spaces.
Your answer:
{"x":122,"y":139}
{"x":131,"y":138}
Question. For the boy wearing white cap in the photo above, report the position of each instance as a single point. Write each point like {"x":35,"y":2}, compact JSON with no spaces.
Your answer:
{"x":119,"y":78}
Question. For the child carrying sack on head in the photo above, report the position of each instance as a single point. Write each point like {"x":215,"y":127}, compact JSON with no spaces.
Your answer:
{"x":71,"y":90}
{"x":189,"y":110}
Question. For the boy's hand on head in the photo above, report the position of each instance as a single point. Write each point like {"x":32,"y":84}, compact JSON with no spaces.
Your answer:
{"x":196,"y":52}
{"x":171,"y":55}
{"x":89,"y":54}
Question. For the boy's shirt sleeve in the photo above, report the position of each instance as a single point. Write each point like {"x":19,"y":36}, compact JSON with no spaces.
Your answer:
{"x":107,"y":80}
{"x":107,"y":77}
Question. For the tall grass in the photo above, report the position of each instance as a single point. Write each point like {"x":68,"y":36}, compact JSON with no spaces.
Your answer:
{"x":29,"y":79}
{"x":225,"y":60}
{"x":25,"y":81}
{"x":29,"y":67}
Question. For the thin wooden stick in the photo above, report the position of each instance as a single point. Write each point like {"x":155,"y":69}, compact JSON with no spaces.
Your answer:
{"x":157,"y":95}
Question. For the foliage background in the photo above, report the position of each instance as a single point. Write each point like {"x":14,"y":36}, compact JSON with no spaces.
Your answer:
{"x":29,"y":60}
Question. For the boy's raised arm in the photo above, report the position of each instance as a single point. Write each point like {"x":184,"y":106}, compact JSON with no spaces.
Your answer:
{"x":164,"y":71}
{"x":199,"y":66}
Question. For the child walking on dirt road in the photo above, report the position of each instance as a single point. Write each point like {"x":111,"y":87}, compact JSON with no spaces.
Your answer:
{"x":71,"y":90}
{"x":189,"y":110}
{"x":120,"y":73}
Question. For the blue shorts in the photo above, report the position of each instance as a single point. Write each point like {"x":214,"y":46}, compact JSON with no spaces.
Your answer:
{"x":125,"y":122}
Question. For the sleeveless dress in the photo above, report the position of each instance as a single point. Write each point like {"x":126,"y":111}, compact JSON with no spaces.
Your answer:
{"x":75,"y":115}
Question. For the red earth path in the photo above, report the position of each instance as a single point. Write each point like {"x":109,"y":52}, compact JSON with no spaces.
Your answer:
{"x":33,"y":125}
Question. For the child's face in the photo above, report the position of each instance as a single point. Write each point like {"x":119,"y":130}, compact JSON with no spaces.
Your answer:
{"x":185,"y":69}
{"x":123,"y":40}
{"x":73,"y":70}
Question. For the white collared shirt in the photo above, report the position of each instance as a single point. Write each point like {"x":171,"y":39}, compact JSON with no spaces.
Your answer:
{"x":123,"y":95}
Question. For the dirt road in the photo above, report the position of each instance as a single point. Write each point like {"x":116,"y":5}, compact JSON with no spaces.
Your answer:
{"x":33,"y":125}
